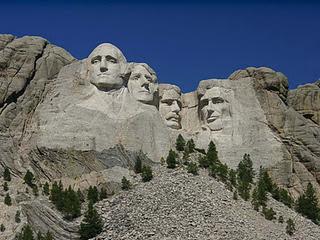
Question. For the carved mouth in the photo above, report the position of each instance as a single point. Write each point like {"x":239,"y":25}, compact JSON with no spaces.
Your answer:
{"x":212,"y":119}
{"x":174,"y":119}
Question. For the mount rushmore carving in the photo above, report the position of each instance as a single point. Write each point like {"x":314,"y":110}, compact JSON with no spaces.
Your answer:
{"x":62,"y":117}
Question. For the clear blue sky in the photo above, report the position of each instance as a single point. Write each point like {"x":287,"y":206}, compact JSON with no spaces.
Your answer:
{"x":184,"y":41}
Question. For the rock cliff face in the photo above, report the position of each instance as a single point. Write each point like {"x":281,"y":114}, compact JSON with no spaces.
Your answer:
{"x":86,"y":121}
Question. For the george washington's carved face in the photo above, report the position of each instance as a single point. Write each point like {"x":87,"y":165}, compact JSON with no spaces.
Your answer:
{"x":143,"y":83}
{"x":214,"y":107}
{"x":106,"y":65}
{"x":170,"y":107}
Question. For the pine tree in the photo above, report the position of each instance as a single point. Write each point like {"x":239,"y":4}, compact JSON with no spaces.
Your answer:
{"x":71,"y":204}
{"x":307,"y":204}
{"x":26,"y":233}
{"x":80,"y":195}
{"x":212,"y":154}
{"x":192,"y":168}
{"x":259,"y":195}
{"x":203,"y":161}
{"x":233,"y":177}
{"x":91,"y":225}
{"x":17,"y":217}
{"x":126,"y":185}
{"x":103,"y":193}
{"x":245,"y":176}
{"x":180,"y":143}
{"x":7,"y":200}
{"x":46,"y":188}
{"x":171,"y":159}
{"x":93,"y":194}
{"x":222,"y":172}
{"x":146,"y":173}
{"x":290,"y":228}
{"x":29,"y":178}
{"x":5,"y":186}
{"x":55,"y":192}
{"x":190,"y":146}
{"x":138,"y":165}
{"x":2,"y":228}
{"x":268,"y":213}
{"x":7,"y":174}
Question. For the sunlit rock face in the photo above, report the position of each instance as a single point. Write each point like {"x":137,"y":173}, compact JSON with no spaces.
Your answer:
{"x":106,"y":66}
{"x":52,"y":104}
{"x":170,"y":105}
{"x":143,"y":83}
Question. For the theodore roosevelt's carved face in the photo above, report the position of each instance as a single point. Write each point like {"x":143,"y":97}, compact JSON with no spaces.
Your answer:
{"x":214,"y":107}
{"x":106,"y":65}
{"x":170,"y":107}
{"x":142,"y":83}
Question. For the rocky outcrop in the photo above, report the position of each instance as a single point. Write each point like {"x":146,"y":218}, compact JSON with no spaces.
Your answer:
{"x":178,"y":205}
{"x":306,"y":100}
{"x":299,"y":136}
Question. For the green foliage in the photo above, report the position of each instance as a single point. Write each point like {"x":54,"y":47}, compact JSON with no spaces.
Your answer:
{"x":203,"y":161}
{"x":93,"y":194}
{"x":212,"y":154}
{"x":280,"y":219}
{"x":245,"y":176}
{"x":126,"y":185}
{"x":103,"y":193}
{"x":29,"y":178}
{"x":46,"y":188}
{"x":80,"y":196}
{"x":290,"y":228}
{"x":91,"y":225}
{"x":259,"y":195}
{"x":7,"y":200}
{"x":17,"y":218}
{"x":2,"y":228}
{"x":233,"y":177}
{"x":146,"y":173}
{"x":185,"y":157}
{"x":6,"y":174}
{"x":308,"y":204}
{"x":138,"y":165}
{"x":5,"y":186}
{"x":180,"y":143}
{"x":71,"y":204}
{"x":268,"y":213}
{"x":67,"y":201}
{"x":171,"y":159}
{"x":192,"y":168}
{"x":200,"y":150}
{"x":282,"y":195}
{"x":26,"y":233}
{"x":190,"y":146}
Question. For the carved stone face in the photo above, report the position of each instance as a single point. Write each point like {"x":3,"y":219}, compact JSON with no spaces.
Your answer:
{"x":106,"y":65}
{"x":170,"y":107}
{"x":214,"y":108}
{"x":142,"y":84}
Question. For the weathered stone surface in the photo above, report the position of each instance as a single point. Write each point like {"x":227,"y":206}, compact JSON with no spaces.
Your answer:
{"x":306,"y":100}
{"x":178,"y":205}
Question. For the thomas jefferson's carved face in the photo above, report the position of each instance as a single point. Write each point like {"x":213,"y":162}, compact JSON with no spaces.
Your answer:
{"x":214,"y":108}
{"x":170,"y":107}
{"x":106,"y":66}
{"x":142,"y":84}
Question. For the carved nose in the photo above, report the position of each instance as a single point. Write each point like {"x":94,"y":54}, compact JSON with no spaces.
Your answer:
{"x":175,"y":107}
{"x":146,"y":86}
{"x":103,"y":66}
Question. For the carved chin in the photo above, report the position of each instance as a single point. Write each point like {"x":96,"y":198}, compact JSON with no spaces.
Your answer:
{"x":107,"y":82}
{"x":173,"y":124}
{"x":215,"y":125}
{"x":144,"y":97}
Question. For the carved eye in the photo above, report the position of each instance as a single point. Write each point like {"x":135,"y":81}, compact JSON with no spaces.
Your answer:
{"x":217,"y":100}
{"x":111,"y":59}
{"x":95,"y":61}
{"x":135,"y":77}
{"x":204,"y":102}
